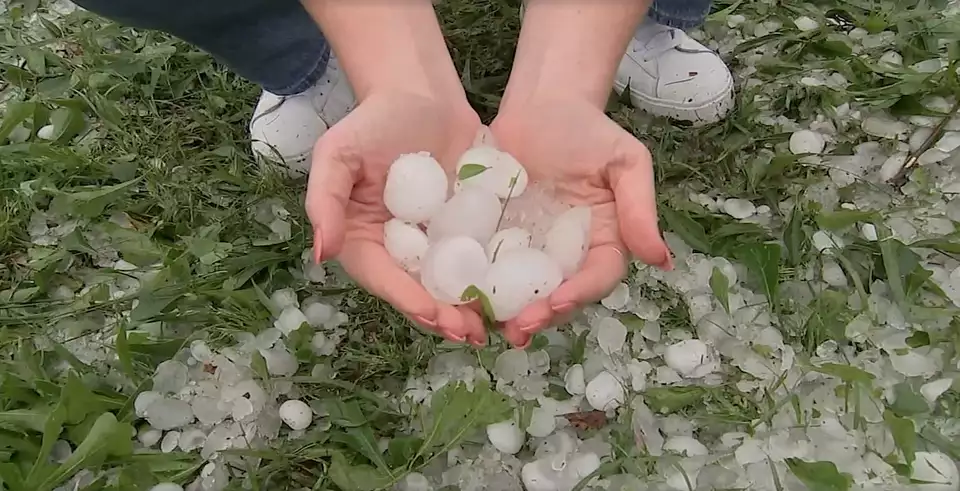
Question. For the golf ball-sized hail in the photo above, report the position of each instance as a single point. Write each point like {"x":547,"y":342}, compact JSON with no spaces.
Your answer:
{"x":450,"y":266}
{"x":568,"y":239}
{"x":501,"y":169}
{"x":405,"y":243}
{"x":517,"y":278}
{"x":508,"y":239}
{"x":416,"y":187}
{"x":473,"y":212}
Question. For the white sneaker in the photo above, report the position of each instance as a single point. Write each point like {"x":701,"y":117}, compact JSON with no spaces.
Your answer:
{"x":672,"y":75}
{"x":285,"y":128}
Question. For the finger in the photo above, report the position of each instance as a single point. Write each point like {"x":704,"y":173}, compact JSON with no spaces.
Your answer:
{"x":632,"y":181}
{"x":329,"y":186}
{"x":373,"y":269}
{"x":451,"y":324}
{"x":532,"y":319}
{"x":475,"y":331}
{"x":602,"y":269}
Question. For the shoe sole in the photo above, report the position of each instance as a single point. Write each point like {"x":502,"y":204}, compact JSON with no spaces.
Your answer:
{"x":709,"y":112}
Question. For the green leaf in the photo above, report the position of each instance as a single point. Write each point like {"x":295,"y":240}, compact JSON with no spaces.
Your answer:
{"x":828,"y":319}
{"x":456,"y":413}
{"x":846,"y":373}
{"x":891,"y":265}
{"x":907,"y":402}
{"x":107,"y":437}
{"x":123,"y":354}
{"x":671,"y":399}
{"x":473,"y":292}
{"x":904,"y":435}
{"x":357,"y":433}
{"x":470,"y":170}
{"x":350,"y":477}
{"x":943,"y":245}
{"x":820,"y":476}
{"x":687,"y":228}
{"x":402,"y":449}
{"x":841,"y":219}
{"x":90,"y":202}
{"x":918,"y":339}
{"x":763,"y":261}
{"x":14,"y":114}
{"x":721,"y":288}
{"x":795,"y":237}
{"x":67,"y":123}
{"x":52,"y":428}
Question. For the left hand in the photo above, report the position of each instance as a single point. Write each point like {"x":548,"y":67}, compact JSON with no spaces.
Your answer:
{"x":591,"y":161}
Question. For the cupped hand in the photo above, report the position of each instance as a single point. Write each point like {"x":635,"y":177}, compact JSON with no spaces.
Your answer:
{"x":591,"y":161}
{"x":345,"y":197}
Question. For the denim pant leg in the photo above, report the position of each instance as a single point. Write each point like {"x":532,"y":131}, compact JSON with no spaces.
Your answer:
{"x":680,"y":14}
{"x":274,"y":43}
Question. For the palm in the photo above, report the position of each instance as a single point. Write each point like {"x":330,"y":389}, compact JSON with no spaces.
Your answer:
{"x":591,"y":161}
{"x":345,"y":197}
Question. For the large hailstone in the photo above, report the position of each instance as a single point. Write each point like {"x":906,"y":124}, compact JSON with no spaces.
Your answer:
{"x":519,"y":277}
{"x":937,"y":470}
{"x":507,"y":239}
{"x":473,"y":212}
{"x":506,"y":436}
{"x":405,"y":243}
{"x":451,"y":265}
{"x":691,"y":358}
{"x":604,"y":392}
{"x":806,"y":141}
{"x":568,"y":239}
{"x":296,"y":414}
{"x":501,"y":169}
{"x":416,"y":187}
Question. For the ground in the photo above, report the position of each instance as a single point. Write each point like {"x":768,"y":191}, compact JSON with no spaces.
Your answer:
{"x":142,"y":250}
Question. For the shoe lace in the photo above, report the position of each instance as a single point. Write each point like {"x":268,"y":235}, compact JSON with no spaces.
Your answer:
{"x":664,"y":40}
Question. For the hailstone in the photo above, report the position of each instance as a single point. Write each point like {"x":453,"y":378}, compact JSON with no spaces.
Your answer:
{"x":506,"y":436}
{"x":296,"y":414}
{"x":605,"y":392}
{"x":507,"y":239}
{"x":568,"y":239}
{"x":691,"y":358}
{"x":47,"y":132}
{"x":405,"y":243}
{"x":574,"y":381}
{"x":416,"y":187}
{"x":167,"y":486}
{"x":936,"y":470}
{"x":519,"y":277}
{"x":501,"y":169}
{"x":806,"y":141}
{"x":451,"y":265}
{"x":473,"y":212}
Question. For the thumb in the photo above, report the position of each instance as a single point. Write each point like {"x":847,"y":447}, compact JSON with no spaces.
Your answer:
{"x":632,"y":181}
{"x":328,"y":191}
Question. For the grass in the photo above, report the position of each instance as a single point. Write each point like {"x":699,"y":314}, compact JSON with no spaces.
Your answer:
{"x":166,"y":150}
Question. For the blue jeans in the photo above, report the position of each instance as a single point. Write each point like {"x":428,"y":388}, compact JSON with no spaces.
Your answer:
{"x":275,"y":43}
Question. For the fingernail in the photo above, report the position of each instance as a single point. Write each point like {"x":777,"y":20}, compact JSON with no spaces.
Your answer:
{"x":424,"y":321}
{"x":667,"y":263}
{"x":536,"y":326}
{"x":524,"y":345}
{"x":565,"y":308}
{"x":455,"y":338}
{"x":317,"y":245}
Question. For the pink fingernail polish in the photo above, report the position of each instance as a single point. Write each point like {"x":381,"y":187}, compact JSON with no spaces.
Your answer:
{"x":536,"y":326}
{"x":455,"y":338}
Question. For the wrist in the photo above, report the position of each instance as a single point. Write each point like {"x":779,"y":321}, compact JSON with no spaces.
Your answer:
{"x":388,"y":47}
{"x":571,"y":49}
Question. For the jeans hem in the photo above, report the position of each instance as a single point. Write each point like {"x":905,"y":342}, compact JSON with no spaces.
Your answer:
{"x":676,"y":21}
{"x":309,"y":80}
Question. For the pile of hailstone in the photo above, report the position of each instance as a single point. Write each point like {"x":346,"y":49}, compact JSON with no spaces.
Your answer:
{"x":491,"y":228}
{"x":207,"y":401}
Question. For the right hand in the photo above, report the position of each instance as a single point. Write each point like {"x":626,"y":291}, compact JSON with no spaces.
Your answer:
{"x":345,"y":197}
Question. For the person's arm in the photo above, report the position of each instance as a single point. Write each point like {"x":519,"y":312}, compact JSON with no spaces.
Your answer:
{"x":388,"y":45}
{"x":571,"y":48}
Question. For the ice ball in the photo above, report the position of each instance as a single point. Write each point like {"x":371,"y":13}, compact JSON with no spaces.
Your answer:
{"x":416,"y":187}
{"x":451,"y":265}
{"x":937,"y":470}
{"x":507,"y":239}
{"x":506,"y":436}
{"x":519,"y":277}
{"x":473,"y":212}
{"x":806,"y":141}
{"x":691,"y":358}
{"x":405,"y":243}
{"x":499,"y":169}
{"x":567,"y":240}
{"x":167,"y":486}
{"x":296,"y":414}
{"x":604,"y":392}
